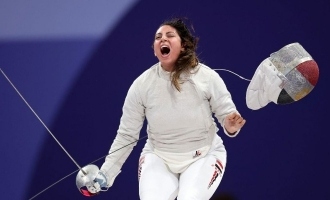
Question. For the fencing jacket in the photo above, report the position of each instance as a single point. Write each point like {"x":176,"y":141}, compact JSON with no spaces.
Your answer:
{"x":177,"y":121}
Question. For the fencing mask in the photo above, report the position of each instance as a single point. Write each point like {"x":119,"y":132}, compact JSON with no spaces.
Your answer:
{"x":286,"y":76}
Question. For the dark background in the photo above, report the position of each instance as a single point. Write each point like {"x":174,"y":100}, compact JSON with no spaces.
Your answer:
{"x":77,"y":85}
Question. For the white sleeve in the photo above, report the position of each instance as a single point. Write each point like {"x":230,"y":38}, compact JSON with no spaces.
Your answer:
{"x":128,"y":132}
{"x":264,"y":87}
{"x":221,"y":101}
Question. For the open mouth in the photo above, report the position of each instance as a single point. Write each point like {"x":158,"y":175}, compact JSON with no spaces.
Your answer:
{"x":165,"y":50}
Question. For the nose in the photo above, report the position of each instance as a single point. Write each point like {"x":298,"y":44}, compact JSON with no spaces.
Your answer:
{"x":164,"y":39}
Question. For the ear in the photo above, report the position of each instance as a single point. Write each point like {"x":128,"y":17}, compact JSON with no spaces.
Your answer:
{"x":182,"y":47}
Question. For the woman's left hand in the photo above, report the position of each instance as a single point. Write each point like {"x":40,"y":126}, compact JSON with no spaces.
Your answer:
{"x":234,"y":122}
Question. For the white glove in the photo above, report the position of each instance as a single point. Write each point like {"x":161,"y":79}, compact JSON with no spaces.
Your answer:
{"x":101,"y":182}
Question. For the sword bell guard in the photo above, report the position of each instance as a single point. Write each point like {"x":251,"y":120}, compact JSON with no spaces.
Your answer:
{"x":85,"y":182}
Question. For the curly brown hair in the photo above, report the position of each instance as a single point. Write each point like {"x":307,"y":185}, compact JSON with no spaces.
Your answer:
{"x":188,"y":58}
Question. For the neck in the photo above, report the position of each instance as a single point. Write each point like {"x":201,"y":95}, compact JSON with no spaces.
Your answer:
{"x":167,"y":68}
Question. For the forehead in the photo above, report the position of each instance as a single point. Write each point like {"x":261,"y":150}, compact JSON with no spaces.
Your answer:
{"x":165,"y":29}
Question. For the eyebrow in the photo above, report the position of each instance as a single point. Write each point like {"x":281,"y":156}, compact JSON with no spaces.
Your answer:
{"x":166,"y":32}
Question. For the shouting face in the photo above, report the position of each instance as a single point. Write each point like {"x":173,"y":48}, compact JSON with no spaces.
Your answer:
{"x":167,"y":46}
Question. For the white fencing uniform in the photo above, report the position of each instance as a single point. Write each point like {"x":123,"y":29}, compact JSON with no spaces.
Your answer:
{"x":183,"y":149}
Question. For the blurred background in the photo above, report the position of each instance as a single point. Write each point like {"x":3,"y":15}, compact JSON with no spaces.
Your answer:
{"x":74,"y":61}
